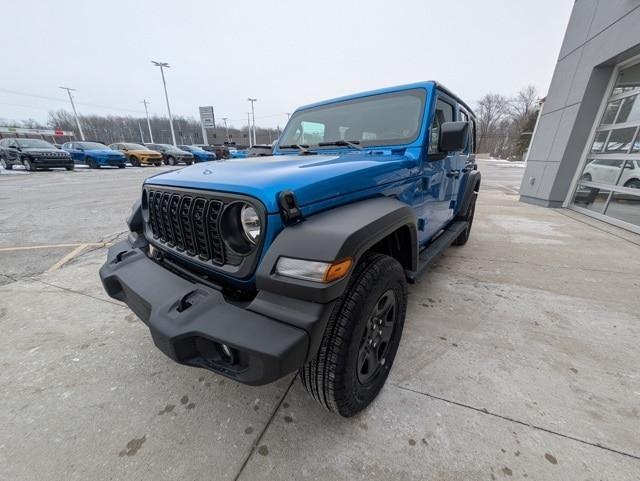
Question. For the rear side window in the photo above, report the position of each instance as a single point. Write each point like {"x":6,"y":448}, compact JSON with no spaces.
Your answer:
{"x":443,"y":113}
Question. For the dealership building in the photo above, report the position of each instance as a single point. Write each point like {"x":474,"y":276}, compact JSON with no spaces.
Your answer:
{"x":585,"y":152}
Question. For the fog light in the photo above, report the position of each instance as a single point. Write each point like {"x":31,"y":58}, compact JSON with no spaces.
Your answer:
{"x":314,"y":271}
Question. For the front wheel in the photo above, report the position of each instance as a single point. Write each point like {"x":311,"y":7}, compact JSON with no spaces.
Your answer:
{"x":361,"y":338}
{"x":134,"y":162}
{"x":632,"y":184}
{"x":171,"y":160}
{"x":27,"y":165}
{"x":92,"y":163}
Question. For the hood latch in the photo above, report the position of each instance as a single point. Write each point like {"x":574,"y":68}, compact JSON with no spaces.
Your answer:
{"x":289,"y":208}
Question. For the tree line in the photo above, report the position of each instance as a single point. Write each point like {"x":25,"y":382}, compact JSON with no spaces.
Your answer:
{"x":505,"y":124}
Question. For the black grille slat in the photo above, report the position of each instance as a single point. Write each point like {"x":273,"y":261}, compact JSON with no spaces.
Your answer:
{"x":185,"y":223}
{"x":190,"y":224}
{"x":166,"y":219}
{"x":214,"y":208}
{"x":174,"y":203}
{"x":199,"y":227}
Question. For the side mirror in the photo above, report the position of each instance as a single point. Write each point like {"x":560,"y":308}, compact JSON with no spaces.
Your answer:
{"x":453,"y":136}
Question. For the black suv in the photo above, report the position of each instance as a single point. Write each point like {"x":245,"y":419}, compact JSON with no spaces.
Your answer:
{"x":33,"y":154}
{"x":172,"y":155}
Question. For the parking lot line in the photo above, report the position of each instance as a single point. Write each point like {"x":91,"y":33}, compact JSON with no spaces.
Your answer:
{"x":75,"y":252}
{"x":54,"y":246}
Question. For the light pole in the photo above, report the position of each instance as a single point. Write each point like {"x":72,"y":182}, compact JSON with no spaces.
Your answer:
{"x":146,"y":110}
{"x":162,"y":66}
{"x":253,"y":115}
{"x":75,"y":113}
{"x":226,"y":128}
{"x":249,"y":124}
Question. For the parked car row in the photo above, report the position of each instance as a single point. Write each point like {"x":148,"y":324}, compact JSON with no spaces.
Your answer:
{"x":36,"y":154}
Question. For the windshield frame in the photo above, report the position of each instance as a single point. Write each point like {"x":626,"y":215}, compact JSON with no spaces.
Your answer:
{"x":20,"y":143}
{"x":422,"y":92}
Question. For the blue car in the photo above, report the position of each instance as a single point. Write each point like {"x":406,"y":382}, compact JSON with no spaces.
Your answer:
{"x":300,"y":261}
{"x":199,"y":155}
{"x":95,"y":154}
{"x":234,"y":153}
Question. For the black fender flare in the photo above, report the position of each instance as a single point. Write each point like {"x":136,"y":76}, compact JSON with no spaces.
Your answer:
{"x":345,"y":231}
{"x":471,"y":185}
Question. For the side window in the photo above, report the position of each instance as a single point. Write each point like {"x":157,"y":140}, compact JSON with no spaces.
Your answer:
{"x":443,"y":113}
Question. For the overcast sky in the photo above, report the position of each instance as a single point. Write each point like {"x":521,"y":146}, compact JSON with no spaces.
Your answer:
{"x":285,"y":53}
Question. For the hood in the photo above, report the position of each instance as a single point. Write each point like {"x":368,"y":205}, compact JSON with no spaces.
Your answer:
{"x":104,"y":153}
{"x":312,"y":178}
{"x":145,"y":153}
{"x":41,"y":150}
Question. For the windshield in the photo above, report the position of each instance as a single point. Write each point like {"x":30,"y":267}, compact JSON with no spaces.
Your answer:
{"x":92,"y":146}
{"x":134,"y":147}
{"x":34,"y":144}
{"x":385,"y":119}
{"x":170,"y":147}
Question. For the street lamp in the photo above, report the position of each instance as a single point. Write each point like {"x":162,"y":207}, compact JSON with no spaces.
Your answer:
{"x":249,"y":130}
{"x":226,"y":128}
{"x":253,"y":115}
{"x":75,"y":113}
{"x":162,"y":66}
{"x":148,"y":120}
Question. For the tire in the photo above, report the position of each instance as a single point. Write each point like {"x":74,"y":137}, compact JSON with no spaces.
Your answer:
{"x":632,"y":184}
{"x":171,"y":160}
{"x":92,"y":163}
{"x":70,"y":168}
{"x":340,"y":377}
{"x":468,"y":217}
{"x":5,"y":165}
{"x":157,"y":164}
{"x":134,"y":162}
{"x":28,"y":165}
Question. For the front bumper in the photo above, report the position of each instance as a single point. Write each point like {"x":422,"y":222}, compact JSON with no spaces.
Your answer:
{"x":51,"y":162}
{"x":189,"y":321}
{"x":111,"y":162}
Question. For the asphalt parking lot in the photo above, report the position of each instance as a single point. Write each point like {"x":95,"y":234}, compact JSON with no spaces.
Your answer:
{"x":519,"y":358}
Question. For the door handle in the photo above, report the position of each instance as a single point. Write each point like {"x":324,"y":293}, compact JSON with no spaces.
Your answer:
{"x":453,"y":173}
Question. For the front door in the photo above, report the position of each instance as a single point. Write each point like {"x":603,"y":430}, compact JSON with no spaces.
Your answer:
{"x":438,"y":183}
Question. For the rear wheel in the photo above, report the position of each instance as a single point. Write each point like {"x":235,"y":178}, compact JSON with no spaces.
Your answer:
{"x":632,"y":184}
{"x":5,"y":165}
{"x":468,"y":218}
{"x":361,"y":338}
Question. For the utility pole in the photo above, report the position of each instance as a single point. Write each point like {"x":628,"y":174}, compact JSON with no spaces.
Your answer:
{"x":75,"y":113}
{"x":141,"y":136}
{"x":249,"y":124}
{"x":146,"y":110}
{"x":253,"y":115}
{"x":226,"y":128}
{"x":162,"y":66}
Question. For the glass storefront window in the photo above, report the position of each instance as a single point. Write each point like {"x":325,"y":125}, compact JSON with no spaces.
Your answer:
{"x":609,"y":184}
{"x":620,"y":140}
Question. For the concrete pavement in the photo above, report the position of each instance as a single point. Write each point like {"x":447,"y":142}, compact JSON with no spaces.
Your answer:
{"x":518,"y":361}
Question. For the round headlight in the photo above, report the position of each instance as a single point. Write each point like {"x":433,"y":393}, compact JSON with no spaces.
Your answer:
{"x":250,"y":221}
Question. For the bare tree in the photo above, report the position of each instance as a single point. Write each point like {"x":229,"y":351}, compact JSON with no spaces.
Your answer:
{"x":491,"y":110}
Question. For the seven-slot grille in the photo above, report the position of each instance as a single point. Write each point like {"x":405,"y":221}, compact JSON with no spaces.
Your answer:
{"x":189,"y":223}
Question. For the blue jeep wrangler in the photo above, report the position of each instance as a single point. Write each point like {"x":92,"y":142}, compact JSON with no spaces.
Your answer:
{"x":259,"y":267}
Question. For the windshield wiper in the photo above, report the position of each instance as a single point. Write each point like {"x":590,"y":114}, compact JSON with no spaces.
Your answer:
{"x":342,"y":143}
{"x":302,"y":148}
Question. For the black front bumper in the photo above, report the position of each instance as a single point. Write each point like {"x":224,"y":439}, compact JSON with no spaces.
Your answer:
{"x":52,"y":162}
{"x":189,"y":321}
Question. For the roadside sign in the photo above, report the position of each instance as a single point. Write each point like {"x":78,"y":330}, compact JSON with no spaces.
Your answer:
{"x":207,"y":117}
